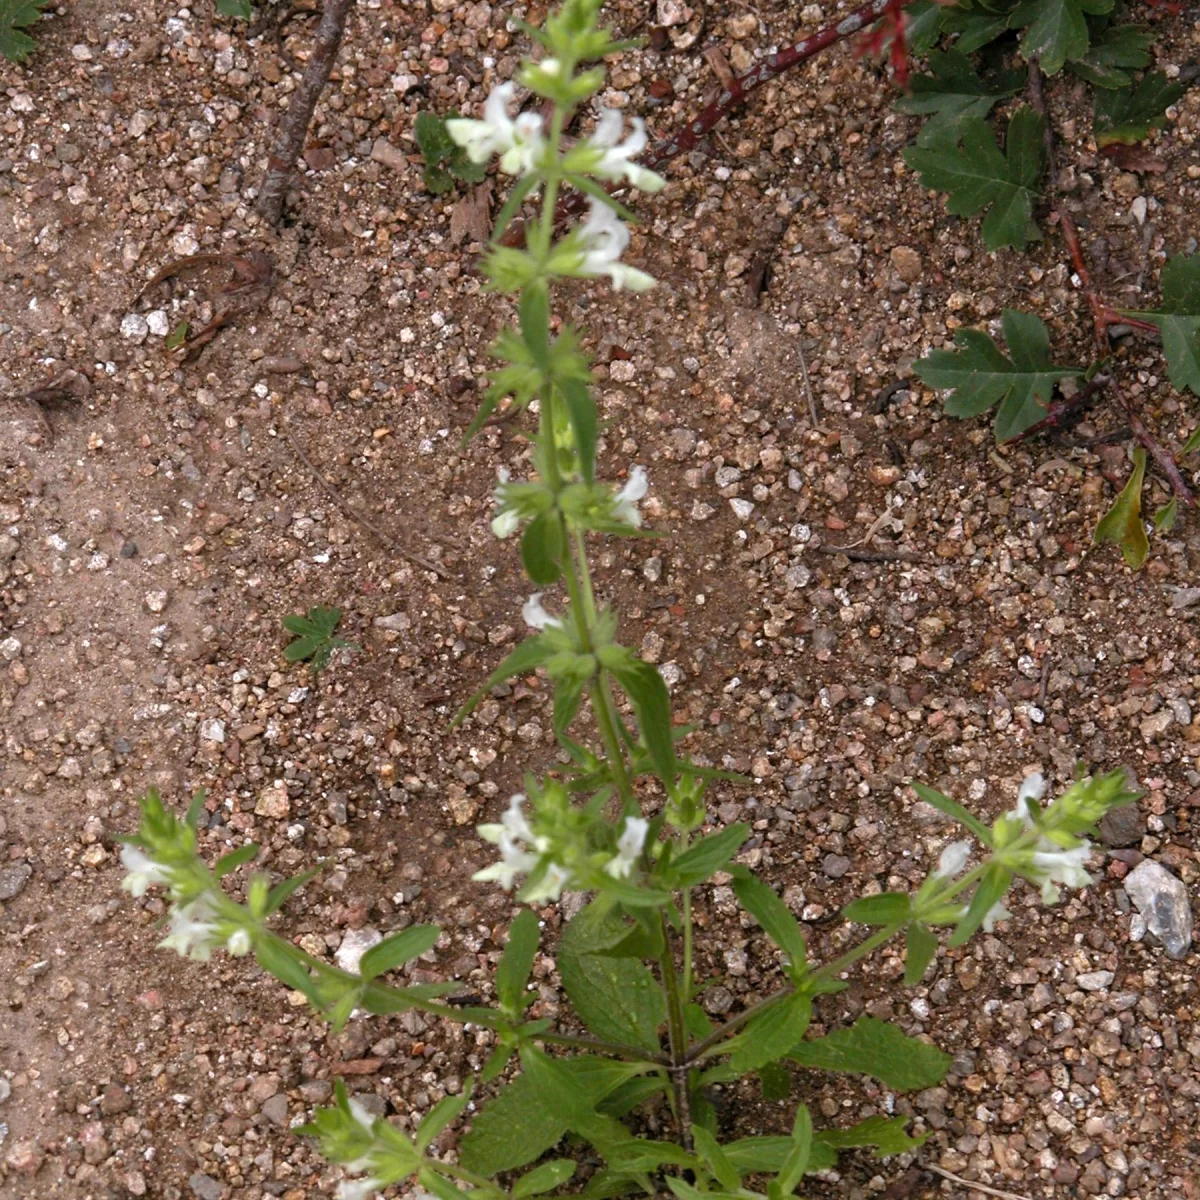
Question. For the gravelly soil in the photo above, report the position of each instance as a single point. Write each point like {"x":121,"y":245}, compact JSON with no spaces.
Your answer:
{"x":150,"y":547}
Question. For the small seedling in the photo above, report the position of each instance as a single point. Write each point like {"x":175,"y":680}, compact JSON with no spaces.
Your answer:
{"x":444,"y":160}
{"x":314,"y":641}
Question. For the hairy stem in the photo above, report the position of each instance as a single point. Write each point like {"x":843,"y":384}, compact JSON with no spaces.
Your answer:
{"x":677,"y":1032}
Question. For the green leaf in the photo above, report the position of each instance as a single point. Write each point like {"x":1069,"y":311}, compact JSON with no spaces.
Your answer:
{"x":645,"y":1154}
{"x":446,"y":1110}
{"x":282,"y":960}
{"x":710,"y":854}
{"x":991,"y":890}
{"x":888,"y":1135}
{"x":1122,"y":523}
{"x":770,"y":1035}
{"x":796,"y":1163}
{"x":952,"y":808}
{"x":1178,"y":320}
{"x":534,"y":314}
{"x":888,"y":908}
{"x":1128,"y":114}
{"x":243,"y":10}
{"x":278,"y":896}
{"x":543,"y":1178}
{"x":1165,"y":517}
{"x":977,"y":27}
{"x":398,"y":949}
{"x":531,"y":653}
{"x":581,"y":411}
{"x":758,"y":1155}
{"x":521,"y":1123}
{"x":1117,"y":48}
{"x":433,"y":138}
{"x":568,"y":695}
{"x":953,"y":93}
{"x":980,"y":376}
{"x":1055,"y":30}
{"x":920,"y":943}
{"x":616,"y":998}
{"x":714,"y":1158}
{"x":234,"y":859}
{"x":776,"y":919}
{"x":177,"y":336}
{"x":629,"y":1095}
{"x":437,"y":180}
{"x":517,"y":961}
{"x":302,"y":649}
{"x":647,"y":692}
{"x":542,"y":548}
{"x":775,"y":1081}
{"x":876,"y":1048}
{"x":970,"y":167}
{"x":516,"y":198}
{"x":1193,"y":443}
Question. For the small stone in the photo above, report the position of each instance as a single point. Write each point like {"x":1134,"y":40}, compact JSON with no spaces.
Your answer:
{"x":397,"y":622}
{"x":835,"y":865}
{"x":205,"y":1187}
{"x":1123,"y":826}
{"x":212,"y":730}
{"x":275,"y":1109}
{"x":1095,"y":981}
{"x":134,"y":327}
{"x":384,"y":152}
{"x":1184,"y":597}
{"x":13,"y":880}
{"x":114,"y":1100}
{"x":25,"y":1158}
{"x":156,"y":601}
{"x":906,"y":262}
{"x":1162,"y":900}
{"x":354,"y":945}
{"x":742,"y":508}
{"x":273,"y":802}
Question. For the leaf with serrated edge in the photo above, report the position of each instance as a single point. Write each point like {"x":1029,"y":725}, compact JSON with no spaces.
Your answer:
{"x":954,"y":92}
{"x":1055,"y":30}
{"x":1128,"y":114}
{"x":970,"y":167}
{"x":1178,"y":320}
{"x":979,"y":376}
{"x":879,"y":1049}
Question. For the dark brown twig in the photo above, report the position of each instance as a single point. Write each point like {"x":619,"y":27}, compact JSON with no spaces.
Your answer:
{"x":690,"y":136}
{"x":873,"y":556}
{"x":353,"y":513}
{"x":1063,"y":412}
{"x":1102,"y":315}
{"x":293,"y":126}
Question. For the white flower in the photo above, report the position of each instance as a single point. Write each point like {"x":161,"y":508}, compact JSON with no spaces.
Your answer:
{"x":192,"y":934}
{"x":238,"y":943}
{"x":952,"y":860}
{"x":358,"y":1189}
{"x":536,"y":617}
{"x":359,"y":1112}
{"x":514,"y":858}
{"x":996,"y":913}
{"x":1054,"y":865}
{"x":605,"y":236}
{"x":551,"y":885}
{"x":143,"y":871}
{"x":636,"y":487}
{"x":615,"y":162}
{"x":519,"y":143}
{"x":1033,"y":787}
{"x":629,"y":847}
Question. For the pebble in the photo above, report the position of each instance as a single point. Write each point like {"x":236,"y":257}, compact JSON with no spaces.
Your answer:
{"x":13,"y":880}
{"x":273,"y":802}
{"x":355,"y":944}
{"x":1162,"y":901}
{"x":205,"y":1187}
{"x":906,"y":262}
{"x":156,"y":601}
{"x":1094,"y":981}
{"x":135,"y":327}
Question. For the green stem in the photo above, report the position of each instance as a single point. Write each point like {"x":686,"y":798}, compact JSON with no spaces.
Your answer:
{"x":677,"y":1032}
{"x":457,"y":1172}
{"x":687,"y":941}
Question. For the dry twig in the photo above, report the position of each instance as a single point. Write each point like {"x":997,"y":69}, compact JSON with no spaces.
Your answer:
{"x":353,"y":513}
{"x":972,"y":1185}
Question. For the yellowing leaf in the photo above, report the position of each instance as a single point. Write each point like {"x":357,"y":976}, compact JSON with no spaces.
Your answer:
{"x":1122,"y":523}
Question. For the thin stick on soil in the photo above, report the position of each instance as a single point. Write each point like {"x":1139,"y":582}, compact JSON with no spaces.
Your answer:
{"x":293,"y":126}
{"x":1102,"y":315}
{"x":808,"y":392}
{"x":971,"y":1184}
{"x":353,"y":513}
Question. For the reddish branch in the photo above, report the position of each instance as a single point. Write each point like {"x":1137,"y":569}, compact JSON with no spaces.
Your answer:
{"x":690,"y":136}
{"x":1102,"y":315}
{"x":289,"y":140}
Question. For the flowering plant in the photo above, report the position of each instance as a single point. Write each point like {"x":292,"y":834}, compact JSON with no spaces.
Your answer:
{"x":623,"y":822}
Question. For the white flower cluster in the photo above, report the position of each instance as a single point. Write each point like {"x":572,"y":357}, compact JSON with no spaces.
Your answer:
{"x":521,"y":851}
{"x":1052,"y":864}
{"x":507,"y":520}
{"x":194,"y":931}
